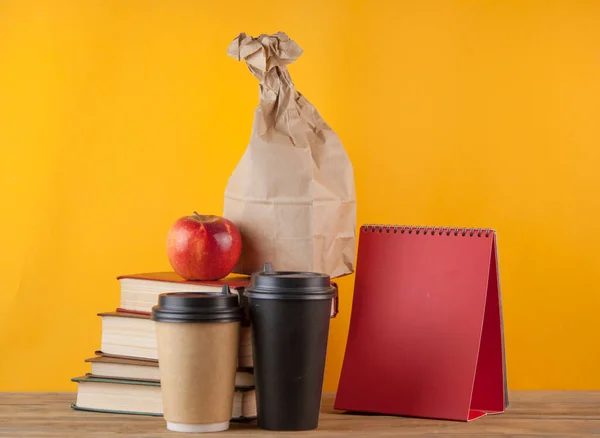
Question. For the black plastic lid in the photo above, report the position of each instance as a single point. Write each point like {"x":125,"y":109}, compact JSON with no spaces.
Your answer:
{"x":293,"y":285}
{"x":198,"y":307}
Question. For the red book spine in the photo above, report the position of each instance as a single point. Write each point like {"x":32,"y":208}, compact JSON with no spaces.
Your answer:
{"x":136,"y":312}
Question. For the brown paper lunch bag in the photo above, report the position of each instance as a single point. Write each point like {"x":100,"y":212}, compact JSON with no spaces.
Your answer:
{"x":292,"y":193}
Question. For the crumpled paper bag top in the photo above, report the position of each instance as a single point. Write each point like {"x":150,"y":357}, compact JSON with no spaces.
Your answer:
{"x":292,"y":194}
{"x":265,"y":52}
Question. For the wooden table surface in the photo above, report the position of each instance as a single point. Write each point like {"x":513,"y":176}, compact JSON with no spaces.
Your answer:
{"x":540,"y":413}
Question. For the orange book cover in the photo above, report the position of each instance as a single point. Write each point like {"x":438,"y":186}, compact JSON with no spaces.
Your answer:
{"x":233,"y":280}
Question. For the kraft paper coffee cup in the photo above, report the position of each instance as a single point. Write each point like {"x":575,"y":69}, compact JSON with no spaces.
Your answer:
{"x":197,"y":336}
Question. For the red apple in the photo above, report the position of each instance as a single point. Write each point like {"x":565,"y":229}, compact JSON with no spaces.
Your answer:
{"x":203,"y":247}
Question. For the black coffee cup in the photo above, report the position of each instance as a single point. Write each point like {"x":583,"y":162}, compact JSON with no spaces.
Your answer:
{"x":290,"y":315}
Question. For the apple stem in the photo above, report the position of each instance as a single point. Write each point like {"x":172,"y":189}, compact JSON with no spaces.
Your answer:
{"x":196,"y":213}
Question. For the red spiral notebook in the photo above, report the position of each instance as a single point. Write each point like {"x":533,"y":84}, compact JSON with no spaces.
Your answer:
{"x":426,"y":329}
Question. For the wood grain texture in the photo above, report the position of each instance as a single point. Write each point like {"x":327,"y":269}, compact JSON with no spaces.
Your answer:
{"x":538,"y":413}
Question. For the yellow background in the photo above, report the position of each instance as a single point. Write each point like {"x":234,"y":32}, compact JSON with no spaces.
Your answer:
{"x":117,"y":117}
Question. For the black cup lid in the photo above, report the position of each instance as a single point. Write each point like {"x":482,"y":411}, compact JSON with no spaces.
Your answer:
{"x":197,"y":307}
{"x":289,"y":285}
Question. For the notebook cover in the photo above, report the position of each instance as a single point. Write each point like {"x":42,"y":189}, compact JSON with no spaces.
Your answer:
{"x":108,"y":411}
{"x":122,"y":360}
{"x":416,"y":322}
{"x":83,"y":379}
{"x":144,"y":361}
{"x":118,"y":356}
{"x":233,"y":280}
{"x":128,"y":314}
{"x":100,"y":376}
{"x":98,"y":379}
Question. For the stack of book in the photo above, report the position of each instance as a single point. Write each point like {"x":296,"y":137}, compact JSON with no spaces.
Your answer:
{"x":124,"y":375}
